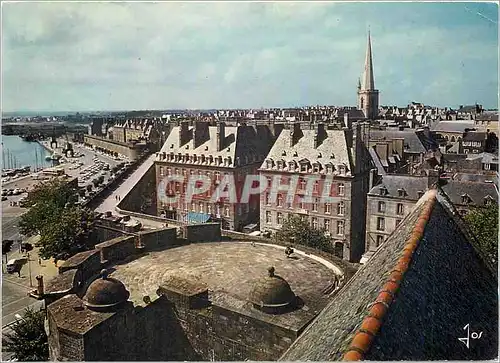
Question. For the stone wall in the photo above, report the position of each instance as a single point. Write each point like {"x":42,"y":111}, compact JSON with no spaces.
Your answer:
{"x":132,"y":152}
{"x":159,"y":239}
{"x":207,"y":232}
{"x":88,"y":263}
{"x":142,"y":198}
{"x":71,"y":347}
{"x":117,"y":249}
{"x":104,"y":233}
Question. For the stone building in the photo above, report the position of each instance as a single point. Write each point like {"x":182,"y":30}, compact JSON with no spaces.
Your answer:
{"x":390,"y":201}
{"x":387,"y":205}
{"x":422,"y":297}
{"x":188,"y":303}
{"x":339,"y":160}
{"x":151,"y":131}
{"x":220,"y":153}
{"x":367,"y":94}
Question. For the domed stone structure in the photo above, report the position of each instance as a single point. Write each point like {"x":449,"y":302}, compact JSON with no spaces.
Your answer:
{"x":105,"y":293}
{"x":272,"y":294}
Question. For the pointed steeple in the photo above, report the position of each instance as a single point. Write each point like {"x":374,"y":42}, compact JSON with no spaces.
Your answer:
{"x":359,"y":83}
{"x":368,"y":82}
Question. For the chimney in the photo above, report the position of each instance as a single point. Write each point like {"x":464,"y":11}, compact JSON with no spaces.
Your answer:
{"x":199,"y":133}
{"x":220,"y":135}
{"x":295,"y":133}
{"x":347,"y":122}
{"x":398,"y":145}
{"x":39,"y":289}
{"x":319,"y":135}
{"x":183,"y":133}
{"x":382,"y":150}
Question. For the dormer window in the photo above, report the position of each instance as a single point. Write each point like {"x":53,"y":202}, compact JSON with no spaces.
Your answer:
{"x":291,"y":166}
{"x":316,"y":168}
{"x":329,"y":168}
{"x":280,"y":165}
{"x":401,"y":192}
{"x":304,"y":166}
{"x":382,"y":190}
{"x":488,"y":200}
{"x":465,"y":199}
{"x":229,"y":160}
{"x":342,"y":169}
{"x":269,"y":163}
{"x":420,"y":194}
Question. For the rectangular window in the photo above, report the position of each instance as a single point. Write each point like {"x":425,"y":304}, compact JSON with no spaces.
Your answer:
{"x":268,"y":199}
{"x":280,"y":200}
{"x":162,"y":172}
{"x":316,"y":186}
{"x":279,"y":218}
{"x":328,"y":208}
{"x":341,"y":189}
{"x":209,"y":208}
{"x":226,"y":211}
{"x":380,"y":224}
{"x":400,"y":209}
{"x":341,"y":209}
{"x":193,"y":207}
{"x":380,"y":240}
{"x":200,"y":207}
{"x":398,"y":221}
{"x":314,"y":223}
{"x":302,"y":184}
{"x":340,"y":228}
{"x":315,"y":205}
{"x":327,"y":225}
{"x":169,"y":171}
{"x":268,"y":217}
{"x":381,"y":207}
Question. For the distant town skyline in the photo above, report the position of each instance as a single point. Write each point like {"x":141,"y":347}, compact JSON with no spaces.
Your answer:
{"x":124,"y":56}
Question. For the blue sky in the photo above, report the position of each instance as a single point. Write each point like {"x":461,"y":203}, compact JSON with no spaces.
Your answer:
{"x":119,"y":56}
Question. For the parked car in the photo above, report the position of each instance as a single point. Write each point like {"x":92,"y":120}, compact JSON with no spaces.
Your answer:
{"x":14,"y":265}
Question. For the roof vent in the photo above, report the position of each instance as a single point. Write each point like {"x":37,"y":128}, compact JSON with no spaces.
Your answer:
{"x":295,"y":153}
{"x":206,"y":148}
{"x":228,"y":149}
{"x":332,"y":156}
{"x":319,"y":155}
{"x":283,"y":153}
{"x":187,"y":147}
{"x":172,"y":146}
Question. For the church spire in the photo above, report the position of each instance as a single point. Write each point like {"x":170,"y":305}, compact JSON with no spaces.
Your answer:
{"x":368,"y":82}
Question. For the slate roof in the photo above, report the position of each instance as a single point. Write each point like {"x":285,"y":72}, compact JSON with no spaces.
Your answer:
{"x":393,"y":183}
{"x":487,"y":116}
{"x":474,"y":136}
{"x":485,"y":157}
{"x":455,"y":189}
{"x":453,"y":126}
{"x":377,"y":161}
{"x":334,"y":144}
{"x":250,"y":143}
{"x":412,"y":299}
{"x":415,"y":145}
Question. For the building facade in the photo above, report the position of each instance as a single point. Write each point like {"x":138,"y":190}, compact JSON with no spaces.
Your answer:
{"x":319,"y":162}
{"x":223,"y":154}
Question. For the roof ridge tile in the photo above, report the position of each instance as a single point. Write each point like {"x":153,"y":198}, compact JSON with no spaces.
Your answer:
{"x":371,"y":324}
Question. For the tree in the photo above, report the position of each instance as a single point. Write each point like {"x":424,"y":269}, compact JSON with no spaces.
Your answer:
{"x":6,"y":247}
{"x":28,"y":340}
{"x":483,"y":223}
{"x":67,"y":236}
{"x":64,"y":228}
{"x":297,"y":230}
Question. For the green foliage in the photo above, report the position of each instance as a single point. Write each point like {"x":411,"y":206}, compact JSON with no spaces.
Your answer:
{"x":483,"y":222}
{"x":63,"y":227}
{"x":68,"y":236}
{"x":28,"y":340}
{"x":297,"y":230}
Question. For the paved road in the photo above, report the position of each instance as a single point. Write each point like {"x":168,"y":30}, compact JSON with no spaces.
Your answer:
{"x":110,"y":203}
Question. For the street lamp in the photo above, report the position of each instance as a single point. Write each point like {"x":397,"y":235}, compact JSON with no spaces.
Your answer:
{"x":29,"y":269}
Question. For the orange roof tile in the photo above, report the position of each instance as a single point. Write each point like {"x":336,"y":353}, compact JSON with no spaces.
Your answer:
{"x":371,"y":324}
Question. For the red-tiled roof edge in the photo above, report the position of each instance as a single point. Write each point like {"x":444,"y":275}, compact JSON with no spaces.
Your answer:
{"x":371,"y":324}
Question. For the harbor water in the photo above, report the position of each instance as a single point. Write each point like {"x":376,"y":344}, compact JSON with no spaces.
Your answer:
{"x":17,"y":153}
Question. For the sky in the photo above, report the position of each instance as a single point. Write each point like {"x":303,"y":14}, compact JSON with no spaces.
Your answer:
{"x":61,"y":56}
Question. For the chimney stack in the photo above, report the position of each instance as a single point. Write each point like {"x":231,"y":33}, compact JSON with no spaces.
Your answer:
{"x":347,"y":122}
{"x":183,"y":133}
{"x":319,"y":135}
{"x":199,"y":133}
{"x":220,"y":135}
{"x":295,"y":133}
